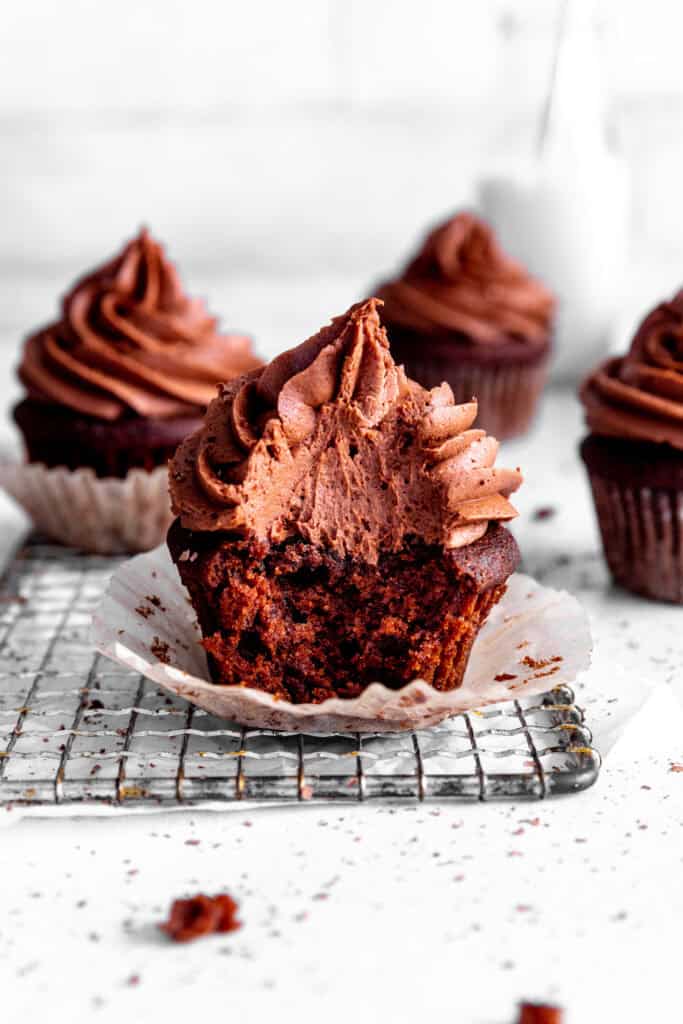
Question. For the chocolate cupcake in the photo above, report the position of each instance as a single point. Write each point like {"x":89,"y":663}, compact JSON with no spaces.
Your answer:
{"x":338,"y":524}
{"x":634,"y":456}
{"x":464,"y":312}
{"x":113,"y":386}
{"x":127,"y":371}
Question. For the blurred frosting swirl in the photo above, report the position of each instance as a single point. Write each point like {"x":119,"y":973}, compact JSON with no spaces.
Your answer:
{"x":462,"y":281}
{"x":640,"y":395}
{"x":331,"y":441}
{"x":129,"y":341}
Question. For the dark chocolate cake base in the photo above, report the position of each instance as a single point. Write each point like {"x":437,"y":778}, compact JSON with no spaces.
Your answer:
{"x":506,"y":379}
{"x":56,"y":436}
{"x":638,"y":492}
{"x":302,"y":624}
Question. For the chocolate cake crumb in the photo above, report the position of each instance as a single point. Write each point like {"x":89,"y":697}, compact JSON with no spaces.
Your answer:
{"x":144,"y":611}
{"x":548,"y":672}
{"x":160,"y":650}
{"x":542,"y":662}
{"x":156,"y":601}
{"x":504,"y":677}
{"x":201,"y":915}
{"x":540,"y":1013}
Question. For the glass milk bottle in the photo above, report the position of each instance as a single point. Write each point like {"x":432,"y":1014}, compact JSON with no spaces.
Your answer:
{"x":566,"y":215}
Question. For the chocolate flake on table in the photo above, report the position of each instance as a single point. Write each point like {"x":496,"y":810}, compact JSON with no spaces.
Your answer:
{"x":144,"y":611}
{"x":160,"y":650}
{"x":537,"y":663}
{"x":540,"y":1013}
{"x":504,"y":677}
{"x":201,"y":915}
{"x":543,"y":512}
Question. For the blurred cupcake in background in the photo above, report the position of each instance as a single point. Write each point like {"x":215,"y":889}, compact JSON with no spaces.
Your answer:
{"x":113,"y":386}
{"x":464,"y":312}
{"x":634,"y":456}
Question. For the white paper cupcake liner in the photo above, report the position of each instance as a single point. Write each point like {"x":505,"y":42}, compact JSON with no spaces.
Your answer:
{"x":534,"y":639}
{"x":100,"y":515}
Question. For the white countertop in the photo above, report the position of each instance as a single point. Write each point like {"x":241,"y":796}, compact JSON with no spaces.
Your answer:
{"x":369,"y":913}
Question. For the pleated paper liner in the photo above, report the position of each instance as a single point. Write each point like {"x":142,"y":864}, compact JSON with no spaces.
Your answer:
{"x":94,"y":514}
{"x":642,"y":537}
{"x":535,"y":638}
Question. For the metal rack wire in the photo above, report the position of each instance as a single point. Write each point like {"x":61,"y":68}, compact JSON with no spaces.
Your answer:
{"x":77,"y":728}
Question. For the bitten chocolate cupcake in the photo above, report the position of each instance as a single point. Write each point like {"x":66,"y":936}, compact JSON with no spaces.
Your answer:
{"x":634,"y":456}
{"x":112,"y":387}
{"x":464,"y":312}
{"x":338,"y":524}
{"x":128,"y":369}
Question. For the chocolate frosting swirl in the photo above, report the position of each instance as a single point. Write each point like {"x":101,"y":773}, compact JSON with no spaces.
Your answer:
{"x":640,"y":395}
{"x":130,"y":341}
{"x":332,"y":442}
{"x":462,"y":281}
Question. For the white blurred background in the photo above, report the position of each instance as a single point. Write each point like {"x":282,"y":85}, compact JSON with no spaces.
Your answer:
{"x":289,"y":154}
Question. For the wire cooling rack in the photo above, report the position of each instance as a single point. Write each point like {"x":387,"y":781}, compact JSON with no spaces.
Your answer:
{"x":75,"y":727}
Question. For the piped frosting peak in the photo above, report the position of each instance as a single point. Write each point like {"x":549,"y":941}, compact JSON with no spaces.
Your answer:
{"x":640,"y":395}
{"x":462,"y":281}
{"x":129,"y":341}
{"x":332,"y":442}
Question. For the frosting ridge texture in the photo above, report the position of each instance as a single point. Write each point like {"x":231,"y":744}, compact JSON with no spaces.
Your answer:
{"x":640,"y":395}
{"x":130,"y":342}
{"x":462,"y":281}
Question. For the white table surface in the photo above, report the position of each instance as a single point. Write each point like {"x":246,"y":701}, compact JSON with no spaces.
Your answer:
{"x":373,"y":913}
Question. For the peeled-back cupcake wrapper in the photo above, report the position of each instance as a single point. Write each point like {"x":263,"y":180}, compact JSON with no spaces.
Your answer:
{"x":507,"y":395}
{"x":642,"y":536}
{"x":535,"y":638}
{"x":98,"y":515}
